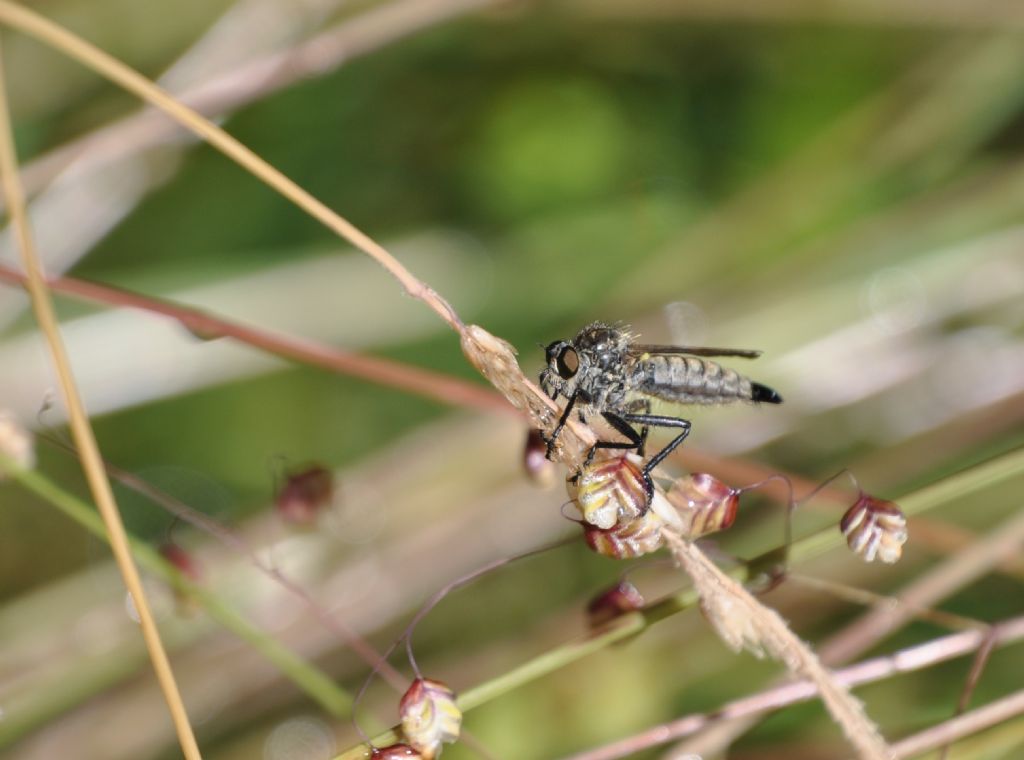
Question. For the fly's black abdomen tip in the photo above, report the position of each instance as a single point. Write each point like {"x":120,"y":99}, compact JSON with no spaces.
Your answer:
{"x":763,"y":394}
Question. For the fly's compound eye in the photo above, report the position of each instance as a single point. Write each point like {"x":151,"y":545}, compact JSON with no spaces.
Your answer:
{"x":567,"y":363}
{"x":553,"y":349}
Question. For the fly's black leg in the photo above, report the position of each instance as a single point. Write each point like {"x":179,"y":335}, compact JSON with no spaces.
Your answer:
{"x":636,"y":441}
{"x":561,"y":424}
{"x":644,"y":406}
{"x":657,"y":420}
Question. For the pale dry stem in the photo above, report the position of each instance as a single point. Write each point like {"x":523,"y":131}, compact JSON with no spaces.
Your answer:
{"x":52,"y":34}
{"x":937,"y":583}
{"x":907,"y":660}
{"x":969,"y":723}
{"x":92,"y":461}
{"x":495,"y":359}
{"x":249,"y":81}
{"x":375,"y":369}
{"x":744,"y":623}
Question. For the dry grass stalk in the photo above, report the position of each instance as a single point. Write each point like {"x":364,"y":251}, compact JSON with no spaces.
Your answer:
{"x":907,"y":660}
{"x":375,"y":369}
{"x":262,"y":74}
{"x":1010,"y":706}
{"x":495,"y":359}
{"x":744,"y":623}
{"x":81,"y":428}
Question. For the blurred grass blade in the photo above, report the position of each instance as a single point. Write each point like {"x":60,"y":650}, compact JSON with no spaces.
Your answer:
{"x":304,"y":675}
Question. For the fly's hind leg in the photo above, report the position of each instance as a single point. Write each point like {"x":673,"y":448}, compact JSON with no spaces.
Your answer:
{"x":641,"y":406}
{"x":636,"y":441}
{"x":658,"y":420}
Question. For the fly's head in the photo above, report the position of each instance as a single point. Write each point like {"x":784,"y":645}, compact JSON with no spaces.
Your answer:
{"x":590,"y":365}
{"x":561,"y":376}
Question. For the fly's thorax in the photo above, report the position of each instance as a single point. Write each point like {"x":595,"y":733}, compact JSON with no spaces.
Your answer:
{"x":602,"y":347}
{"x":603,"y":363}
{"x":603,"y":389}
{"x":599,"y":339}
{"x":690,"y":379}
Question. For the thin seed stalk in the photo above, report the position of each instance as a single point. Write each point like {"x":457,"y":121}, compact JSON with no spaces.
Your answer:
{"x":312,"y":681}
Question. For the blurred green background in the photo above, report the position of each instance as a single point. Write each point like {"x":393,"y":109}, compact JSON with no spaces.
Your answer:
{"x":841,"y":188}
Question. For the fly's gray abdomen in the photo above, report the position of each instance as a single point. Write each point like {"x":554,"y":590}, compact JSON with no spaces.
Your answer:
{"x":692,"y":380}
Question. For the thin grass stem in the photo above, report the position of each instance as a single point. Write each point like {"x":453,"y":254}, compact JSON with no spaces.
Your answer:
{"x":52,"y":34}
{"x":319,"y":686}
{"x":406,"y":377}
{"x":81,"y":429}
{"x":907,"y":660}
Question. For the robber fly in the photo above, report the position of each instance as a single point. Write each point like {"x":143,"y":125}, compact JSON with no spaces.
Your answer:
{"x":604,"y":370}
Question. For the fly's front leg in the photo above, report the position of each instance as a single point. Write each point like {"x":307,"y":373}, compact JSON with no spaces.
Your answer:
{"x":657,"y":420}
{"x":561,"y":424}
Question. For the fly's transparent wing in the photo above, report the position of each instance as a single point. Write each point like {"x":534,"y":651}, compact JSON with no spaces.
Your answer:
{"x":639,"y":349}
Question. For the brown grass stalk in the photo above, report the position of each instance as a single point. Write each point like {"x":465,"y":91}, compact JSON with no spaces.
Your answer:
{"x":81,"y":429}
{"x":406,"y":377}
{"x":216,"y":96}
{"x":41,"y":28}
{"x":494,"y":358}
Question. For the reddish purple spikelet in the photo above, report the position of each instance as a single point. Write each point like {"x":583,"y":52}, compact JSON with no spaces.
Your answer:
{"x":185,"y":563}
{"x":538,"y":467}
{"x":182,"y":560}
{"x":613,"y":602}
{"x":705,"y":504}
{"x":429,"y":716}
{"x":626,"y":540}
{"x":609,"y":492}
{"x":875,"y":528}
{"x":395,"y":752}
{"x":305,"y":494}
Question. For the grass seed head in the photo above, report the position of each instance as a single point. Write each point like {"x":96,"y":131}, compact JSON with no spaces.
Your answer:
{"x":609,"y":492}
{"x":429,"y":716}
{"x":875,"y":528}
{"x":305,"y":494}
{"x":613,"y":602}
{"x":704,"y":503}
